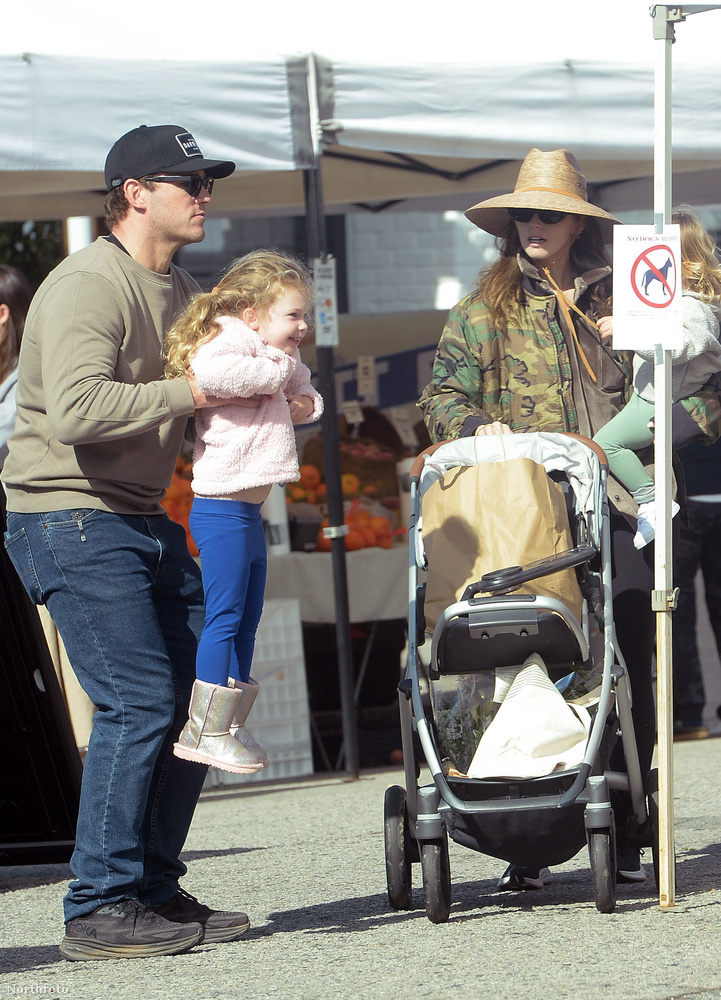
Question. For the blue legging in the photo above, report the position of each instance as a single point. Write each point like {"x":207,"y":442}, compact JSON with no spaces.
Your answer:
{"x":231,"y":541}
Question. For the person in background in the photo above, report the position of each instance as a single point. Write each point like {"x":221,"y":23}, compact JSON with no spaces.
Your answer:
{"x":693,"y":363}
{"x":699,"y":546}
{"x":240,"y":340}
{"x":523,"y":352}
{"x":97,"y":435}
{"x":15,"y":298}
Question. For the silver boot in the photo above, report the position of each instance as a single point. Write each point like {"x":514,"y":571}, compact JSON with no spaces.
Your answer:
{"x":237,"y":729}
{"x":206,"y":736}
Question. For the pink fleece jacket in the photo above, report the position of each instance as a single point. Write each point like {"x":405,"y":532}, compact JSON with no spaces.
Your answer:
{"x":238,"y":447}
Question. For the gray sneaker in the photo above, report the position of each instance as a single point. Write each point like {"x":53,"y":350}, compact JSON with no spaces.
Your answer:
{"x":126,"y":930}
{"x":219,"y":925}
{"x":519,"y":877}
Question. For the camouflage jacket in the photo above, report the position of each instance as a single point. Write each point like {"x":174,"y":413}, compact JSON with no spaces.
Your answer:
{"x":532,"y":377}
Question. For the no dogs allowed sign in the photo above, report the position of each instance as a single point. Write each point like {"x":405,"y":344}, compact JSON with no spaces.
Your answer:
{"x":647,"y":288}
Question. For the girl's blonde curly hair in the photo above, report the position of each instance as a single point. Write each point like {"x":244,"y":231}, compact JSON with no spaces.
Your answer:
{"x":700,"y":266}
{"x":254,"y":281}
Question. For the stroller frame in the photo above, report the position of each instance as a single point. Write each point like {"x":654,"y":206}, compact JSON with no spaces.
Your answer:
{"x":522,"y":821}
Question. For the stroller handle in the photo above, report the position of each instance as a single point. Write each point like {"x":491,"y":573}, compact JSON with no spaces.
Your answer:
{"x":418,"y":464}
{"x":417,"y":467}
{"x":595,"y":448}
{"x":511,"y":577}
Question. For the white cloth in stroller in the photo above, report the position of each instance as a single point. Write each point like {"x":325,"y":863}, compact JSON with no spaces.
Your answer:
{"x":535,"y":731}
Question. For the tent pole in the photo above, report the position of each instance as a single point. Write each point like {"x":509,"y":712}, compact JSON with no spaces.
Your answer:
{"x":78,"y":232}
{"x":664,"y":597}
{"x":315,"y":218}
{"x":662,"y":601}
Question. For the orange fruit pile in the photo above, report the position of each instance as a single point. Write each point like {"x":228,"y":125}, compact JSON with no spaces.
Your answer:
{"x":179,"y":499}
{"x":311,"y":489}
{"x":308,"y":489}
{"x":365,"y":530}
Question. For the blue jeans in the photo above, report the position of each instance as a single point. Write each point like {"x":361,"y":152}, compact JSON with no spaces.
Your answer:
{"x":231,"y":541}
{"x":127,"y":599}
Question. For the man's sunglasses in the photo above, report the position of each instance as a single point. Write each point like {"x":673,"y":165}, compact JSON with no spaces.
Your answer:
{"x":547,"y":215}
{"x":191,"y":182}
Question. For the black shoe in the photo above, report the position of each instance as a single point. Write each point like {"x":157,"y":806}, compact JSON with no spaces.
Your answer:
{"x":219,"y":925}
{"x":628,"y":861}
{"x":519,"y":877}
{"x":126,"y":930}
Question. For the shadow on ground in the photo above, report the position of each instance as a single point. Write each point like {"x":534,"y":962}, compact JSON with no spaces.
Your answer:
{"x":697,"y":872}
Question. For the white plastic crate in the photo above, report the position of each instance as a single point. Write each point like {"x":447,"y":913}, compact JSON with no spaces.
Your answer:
{"x":279,"y":637}
{"x":280,"y":718}
{"x":280,"y":696}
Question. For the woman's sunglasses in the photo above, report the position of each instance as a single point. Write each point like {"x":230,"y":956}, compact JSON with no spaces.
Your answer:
{"x":547,"y":215}
{"x":191,"y":182}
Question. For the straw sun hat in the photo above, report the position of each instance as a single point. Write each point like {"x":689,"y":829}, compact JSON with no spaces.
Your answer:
{"x":552,"y":180}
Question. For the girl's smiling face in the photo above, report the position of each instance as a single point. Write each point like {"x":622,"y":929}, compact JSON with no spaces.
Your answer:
{"x":284,"y":324}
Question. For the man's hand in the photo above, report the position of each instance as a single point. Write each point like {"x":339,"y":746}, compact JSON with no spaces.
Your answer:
{"x":202,"y":401}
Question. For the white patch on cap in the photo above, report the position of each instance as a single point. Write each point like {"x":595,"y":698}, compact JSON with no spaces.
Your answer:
{"x":188,"y":144}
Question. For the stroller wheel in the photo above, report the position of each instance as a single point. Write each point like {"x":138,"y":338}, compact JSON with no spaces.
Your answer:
{"x":436,"y":879}
{"x":602,"y":855}
{"x":400,"y":848}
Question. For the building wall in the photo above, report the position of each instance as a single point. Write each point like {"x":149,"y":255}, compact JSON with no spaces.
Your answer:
{"x":399,"y":261}
{"x":391,"y":261}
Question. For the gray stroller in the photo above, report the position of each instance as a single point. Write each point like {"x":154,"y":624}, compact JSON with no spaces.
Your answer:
{"x":516,"y":707}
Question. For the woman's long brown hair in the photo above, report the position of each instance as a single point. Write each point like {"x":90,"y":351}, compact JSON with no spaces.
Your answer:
{"x":499,"y":284}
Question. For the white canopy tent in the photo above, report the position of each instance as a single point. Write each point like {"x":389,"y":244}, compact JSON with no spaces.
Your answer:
{"x":429,"y":113}
{"x":62,"y":113}
{"x":461,"y":130}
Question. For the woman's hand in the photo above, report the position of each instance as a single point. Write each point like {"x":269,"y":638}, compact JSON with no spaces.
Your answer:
{"x":495,"y":428}
{"x":605,"y":328}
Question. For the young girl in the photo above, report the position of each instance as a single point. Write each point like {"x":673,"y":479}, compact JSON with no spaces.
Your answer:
{"x":692,"y":366}
{"x":239,"y":341}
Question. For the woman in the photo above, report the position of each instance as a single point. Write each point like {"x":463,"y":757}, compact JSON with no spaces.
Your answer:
{"x":523,"y":352}
{"x":14,"y":301}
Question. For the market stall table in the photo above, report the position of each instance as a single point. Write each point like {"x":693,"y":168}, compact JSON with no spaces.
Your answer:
{"x":377,"y":583}
{"x":377,"y":596}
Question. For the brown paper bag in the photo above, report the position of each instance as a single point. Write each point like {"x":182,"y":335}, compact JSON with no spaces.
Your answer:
{"x":488,"y":516}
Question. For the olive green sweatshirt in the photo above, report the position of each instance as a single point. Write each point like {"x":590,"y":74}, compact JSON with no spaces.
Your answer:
{"x":97,"y":424}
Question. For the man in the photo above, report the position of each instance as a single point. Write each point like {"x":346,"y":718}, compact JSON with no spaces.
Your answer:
{"x":97,"y":435}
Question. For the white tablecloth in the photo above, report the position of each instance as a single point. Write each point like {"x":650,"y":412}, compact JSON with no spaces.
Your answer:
{"x":377,"y":583}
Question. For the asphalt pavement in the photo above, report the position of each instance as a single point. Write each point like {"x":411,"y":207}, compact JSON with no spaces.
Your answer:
{"x":306,"y":860}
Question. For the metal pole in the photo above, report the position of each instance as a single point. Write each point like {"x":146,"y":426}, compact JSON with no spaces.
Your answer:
{"x":662,"y":602}
{"x":315,"y":218}
{"x":664,"y":598}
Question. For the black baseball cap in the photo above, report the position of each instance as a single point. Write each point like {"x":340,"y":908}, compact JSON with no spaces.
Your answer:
{"x":159,"y":149}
